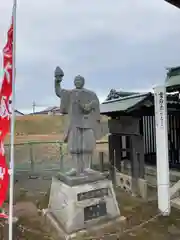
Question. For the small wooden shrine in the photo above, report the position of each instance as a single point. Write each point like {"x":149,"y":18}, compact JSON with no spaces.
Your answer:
{"x":132,"y":126}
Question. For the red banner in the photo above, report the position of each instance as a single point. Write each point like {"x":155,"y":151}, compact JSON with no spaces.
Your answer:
{"x":5,"y":112}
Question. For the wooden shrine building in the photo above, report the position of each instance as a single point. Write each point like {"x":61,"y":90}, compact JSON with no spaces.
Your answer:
{"x":132,"y":126}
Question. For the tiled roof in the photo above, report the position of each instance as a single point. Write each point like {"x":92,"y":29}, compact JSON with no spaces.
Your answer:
{"x":47,"y":110}
{"x":50,"y":109}
{"x":174,"y":2}
{"x":117,"y":103}
{"x":123,"y":103}
{"x":16,"y":111}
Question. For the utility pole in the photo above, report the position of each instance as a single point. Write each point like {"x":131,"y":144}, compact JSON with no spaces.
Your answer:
{"x":34,"y":107}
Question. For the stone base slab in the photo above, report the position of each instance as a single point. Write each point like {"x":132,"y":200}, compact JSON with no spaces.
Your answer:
{"x":86,"y":177}
{"x":59,"y":233}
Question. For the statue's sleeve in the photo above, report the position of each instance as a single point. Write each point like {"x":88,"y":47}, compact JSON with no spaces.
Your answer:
{"x":96,"y":106}
{"x":97,"y":117}
{"x":65,"y":101}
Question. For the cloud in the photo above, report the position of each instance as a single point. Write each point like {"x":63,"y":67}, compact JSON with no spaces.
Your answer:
{"x":120,"y":44}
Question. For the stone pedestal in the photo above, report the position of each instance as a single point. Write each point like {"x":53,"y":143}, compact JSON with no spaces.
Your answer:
{"x":77,"y":203}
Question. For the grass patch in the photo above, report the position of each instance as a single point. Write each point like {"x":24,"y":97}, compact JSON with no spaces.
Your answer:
{"x":41,"y":124}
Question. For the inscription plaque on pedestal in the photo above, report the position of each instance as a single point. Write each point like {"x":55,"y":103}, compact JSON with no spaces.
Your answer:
{"x":97,"y":193}
{"x":95,"y":211}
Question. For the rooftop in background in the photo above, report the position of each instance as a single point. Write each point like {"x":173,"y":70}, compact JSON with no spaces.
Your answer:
{"x":48,"y":111}
{"x":18,"y":113}
{"x":128,"y":103}
{"x":174,"y":2}
{"x":119,"y":102}
{"x":173,"y":79}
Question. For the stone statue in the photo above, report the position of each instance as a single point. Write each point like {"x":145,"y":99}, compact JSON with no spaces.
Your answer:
{"x":82,"y":107}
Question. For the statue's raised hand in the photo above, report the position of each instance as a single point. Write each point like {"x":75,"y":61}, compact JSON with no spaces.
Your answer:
{"x":58,"y":74}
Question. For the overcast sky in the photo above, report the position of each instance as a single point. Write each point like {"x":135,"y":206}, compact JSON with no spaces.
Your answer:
{"x":121,"y":44}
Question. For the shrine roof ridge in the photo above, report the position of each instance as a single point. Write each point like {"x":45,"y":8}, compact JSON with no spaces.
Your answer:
{"x":136,"y":95}
{"x":135,"y":101}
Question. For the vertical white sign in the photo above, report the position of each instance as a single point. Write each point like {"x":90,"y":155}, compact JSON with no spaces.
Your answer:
{"x":162,"y":155}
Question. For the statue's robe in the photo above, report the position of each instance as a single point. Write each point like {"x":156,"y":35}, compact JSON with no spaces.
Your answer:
{"x":82,"y":128}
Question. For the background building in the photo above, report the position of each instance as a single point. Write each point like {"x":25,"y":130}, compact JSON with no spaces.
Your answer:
{"x":48,"y":111}
{"x":18,"y":113}
{"x":174,"y":2}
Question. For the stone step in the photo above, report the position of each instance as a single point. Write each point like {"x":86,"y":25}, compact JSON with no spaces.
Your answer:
{"x":175,"y":188}
{"x":176,"y":203}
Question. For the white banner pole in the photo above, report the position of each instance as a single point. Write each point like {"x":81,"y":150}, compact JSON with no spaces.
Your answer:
{"x":11,"y":187}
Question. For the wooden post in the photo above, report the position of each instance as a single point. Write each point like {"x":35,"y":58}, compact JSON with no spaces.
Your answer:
{"x":134,"y":165}
{"x":111,"y":157}
{"x":141,"y":159}
{"x":139,"y":146}
{"x":61,"y":156}
{"x":128,"y":154}
{"x":31,"y":156}
{"x":118,"y":151}
{"x":101,"y":161}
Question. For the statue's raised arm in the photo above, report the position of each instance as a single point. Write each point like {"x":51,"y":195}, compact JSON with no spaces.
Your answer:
{"x":60,"y":92}
{"x":58,"y":74}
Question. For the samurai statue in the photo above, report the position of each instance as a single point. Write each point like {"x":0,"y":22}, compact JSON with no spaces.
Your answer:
{"x":83,"y":109}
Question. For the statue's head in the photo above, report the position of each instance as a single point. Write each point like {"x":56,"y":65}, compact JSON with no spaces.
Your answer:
{"x":79,"y":82}
{"x":59,"y":74}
